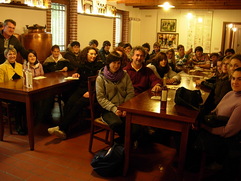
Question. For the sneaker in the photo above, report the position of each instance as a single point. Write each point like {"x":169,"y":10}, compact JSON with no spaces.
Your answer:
{"x":53,"y":129}
{"x":60,"y":134}
{"x":215,"y":166}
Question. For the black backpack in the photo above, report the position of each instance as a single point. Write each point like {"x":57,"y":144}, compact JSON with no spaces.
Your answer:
{"x":109,"y":163}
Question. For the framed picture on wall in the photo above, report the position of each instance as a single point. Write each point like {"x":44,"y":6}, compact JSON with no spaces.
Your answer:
{"x":168,"y":25}
{"x":168,"y":40}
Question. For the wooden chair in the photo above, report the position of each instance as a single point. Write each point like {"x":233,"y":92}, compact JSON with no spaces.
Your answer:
{"x":58,"y":99}
{"x":8,"y":113}
{"x":97,"y":125}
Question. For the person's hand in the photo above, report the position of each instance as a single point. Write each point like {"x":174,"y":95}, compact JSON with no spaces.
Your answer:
{"x":170,"y":81}
{"x":86,"y":95}
{"x":65,"y":69}
{"x":156,"y":88}
{"x":198,"y":82}
{"x":118,"y":113}
{"x":207,"y":128}
{"x":189,"y":51}
{"x":76,"y":75}
{"x":124,"y":114}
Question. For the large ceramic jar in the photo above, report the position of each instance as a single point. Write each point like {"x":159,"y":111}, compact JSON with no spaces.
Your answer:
{"x":39,"y":40}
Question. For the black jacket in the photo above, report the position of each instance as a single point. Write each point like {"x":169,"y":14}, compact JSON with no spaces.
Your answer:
{"x":15,"y":43}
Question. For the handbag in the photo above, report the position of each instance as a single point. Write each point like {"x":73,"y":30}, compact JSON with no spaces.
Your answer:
{"x":188,"y":98}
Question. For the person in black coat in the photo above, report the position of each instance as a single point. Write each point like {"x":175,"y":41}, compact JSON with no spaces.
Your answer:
{"x":89,"y":66}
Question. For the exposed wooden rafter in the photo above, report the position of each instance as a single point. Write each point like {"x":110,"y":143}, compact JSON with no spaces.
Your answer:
{"x":182,"y":4}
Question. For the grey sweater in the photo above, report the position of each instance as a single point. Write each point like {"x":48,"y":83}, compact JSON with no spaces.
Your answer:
{"x":111,"y":94}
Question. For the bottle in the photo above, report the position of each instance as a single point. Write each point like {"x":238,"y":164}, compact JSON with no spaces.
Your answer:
{"x":29,"y":77}
{"x":164,"y":95}
{"x":24,"y":72}
{"x":211,"y":66}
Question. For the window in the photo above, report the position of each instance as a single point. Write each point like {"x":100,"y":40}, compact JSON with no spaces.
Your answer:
{"x":58,"y":24}
{"x":118,"y":33}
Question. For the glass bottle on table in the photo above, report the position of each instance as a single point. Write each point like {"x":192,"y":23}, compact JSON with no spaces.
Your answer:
{"x":29,"y":77}
{"x":164,"y":95}
{"x":24,"y":72}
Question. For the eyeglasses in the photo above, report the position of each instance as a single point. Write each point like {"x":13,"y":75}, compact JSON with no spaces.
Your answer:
{"x":225,"y":64}
{"x":93,"y":54}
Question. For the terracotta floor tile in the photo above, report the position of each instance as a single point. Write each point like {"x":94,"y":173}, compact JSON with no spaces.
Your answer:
{"x":69,"y":160}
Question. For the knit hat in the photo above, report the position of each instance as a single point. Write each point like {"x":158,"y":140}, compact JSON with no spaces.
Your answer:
{"x":75,"y":43}
{"x":106,"y":43}
{"x":112,"y":57}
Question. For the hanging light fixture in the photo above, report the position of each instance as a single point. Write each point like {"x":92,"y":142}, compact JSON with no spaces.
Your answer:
{"x":166,"y":6}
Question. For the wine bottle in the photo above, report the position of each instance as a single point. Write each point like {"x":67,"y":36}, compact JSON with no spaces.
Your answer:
{"x":24,"y":72}
{"x":164,"y":95}
{"x":29,"y":77}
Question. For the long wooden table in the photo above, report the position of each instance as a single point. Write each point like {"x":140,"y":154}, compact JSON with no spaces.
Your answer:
{"x":145,"y":111}
{"x":54,"y":83}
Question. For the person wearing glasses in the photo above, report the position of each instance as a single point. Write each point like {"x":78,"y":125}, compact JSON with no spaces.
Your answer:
{"x":89,"y":66}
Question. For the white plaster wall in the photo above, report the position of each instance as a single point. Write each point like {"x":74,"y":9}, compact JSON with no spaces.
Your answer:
{"x":23,"y":17}
{"x":219,"y":17}
{"x":150,"y":24}
{"x":90,"y":27}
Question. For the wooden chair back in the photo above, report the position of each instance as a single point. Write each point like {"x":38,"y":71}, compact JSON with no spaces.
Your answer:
{"x":97,"y":125}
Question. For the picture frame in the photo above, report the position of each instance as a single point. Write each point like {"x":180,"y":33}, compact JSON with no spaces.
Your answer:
{"x":168,"y":25}
{"x":168,"y":40}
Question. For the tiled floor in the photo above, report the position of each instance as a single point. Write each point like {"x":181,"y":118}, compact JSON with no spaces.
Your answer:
{"x":69,"y":160}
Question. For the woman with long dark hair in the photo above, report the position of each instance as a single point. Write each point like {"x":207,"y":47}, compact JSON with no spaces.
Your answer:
{"x":89,"y":66}
{"x":161,"y":68}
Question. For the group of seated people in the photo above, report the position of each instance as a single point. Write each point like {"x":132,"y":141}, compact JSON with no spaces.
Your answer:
{"x":126,"y":72}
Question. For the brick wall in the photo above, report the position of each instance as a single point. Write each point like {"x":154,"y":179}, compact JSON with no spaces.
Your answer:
{"x":125,"y":27}
{"x":73,"y":20}
{"x":48,"y":24}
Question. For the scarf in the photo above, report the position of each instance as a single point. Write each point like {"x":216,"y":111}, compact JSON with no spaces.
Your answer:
{"x":113,"y":77}
{"x":162,"y":70}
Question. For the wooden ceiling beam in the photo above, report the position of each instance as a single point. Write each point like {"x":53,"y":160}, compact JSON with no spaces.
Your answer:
{"x":192,"y":7}
{"x":182,"y":4}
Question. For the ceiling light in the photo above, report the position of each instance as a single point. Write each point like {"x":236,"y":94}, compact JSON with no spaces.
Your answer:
{"x":189,"y":15}
{"x":234,"y":29}
{"x":200,"y":20}
{"x":166,"y":6}
{"x":230,"y":25}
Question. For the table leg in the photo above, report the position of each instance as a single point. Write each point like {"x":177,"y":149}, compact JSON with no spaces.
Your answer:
{"x":1,"y":124}
{"x":183,"y":149}
{"x":29,"y":116}
{"x":127,"y":143}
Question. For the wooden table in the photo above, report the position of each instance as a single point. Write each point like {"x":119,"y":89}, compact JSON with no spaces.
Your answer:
{"x":143,"y":110}
{"x":54,"y":83}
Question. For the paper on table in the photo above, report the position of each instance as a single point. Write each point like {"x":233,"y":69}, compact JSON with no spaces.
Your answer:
{"x":39,"y":77}
{"x":156,"y":97}
{"x":71,"y":78}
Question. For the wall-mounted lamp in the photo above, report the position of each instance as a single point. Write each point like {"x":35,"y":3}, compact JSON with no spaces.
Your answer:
{"x":166,"y":6}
